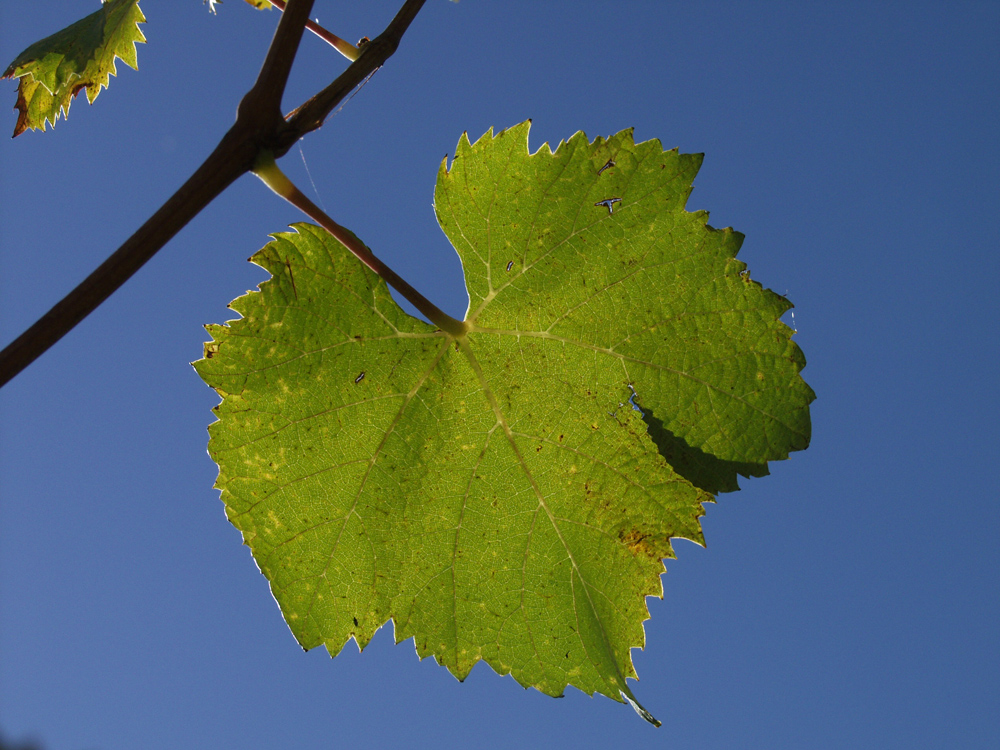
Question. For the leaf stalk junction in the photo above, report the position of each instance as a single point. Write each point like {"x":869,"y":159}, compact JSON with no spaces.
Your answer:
{"x":271,"y":175}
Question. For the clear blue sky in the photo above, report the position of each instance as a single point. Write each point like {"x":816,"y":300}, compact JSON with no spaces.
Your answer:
{"x":849,"y":600}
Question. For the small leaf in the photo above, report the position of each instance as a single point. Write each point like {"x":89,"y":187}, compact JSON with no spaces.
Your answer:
{"x":53,"y":71}
{"x":507,"y":495}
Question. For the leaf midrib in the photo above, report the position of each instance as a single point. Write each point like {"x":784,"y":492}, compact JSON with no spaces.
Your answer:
{"x":501,"y":418}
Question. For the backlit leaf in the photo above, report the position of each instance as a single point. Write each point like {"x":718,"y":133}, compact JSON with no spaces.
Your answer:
{"x":507,"y":495}
{"x":81,"y":57}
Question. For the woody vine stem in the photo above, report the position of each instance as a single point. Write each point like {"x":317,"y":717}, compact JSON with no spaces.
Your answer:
{"x":260,"y":129}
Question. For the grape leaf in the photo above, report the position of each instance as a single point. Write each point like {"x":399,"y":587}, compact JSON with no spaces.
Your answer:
{"x":506,"y":495}
{"x":53,"y":71}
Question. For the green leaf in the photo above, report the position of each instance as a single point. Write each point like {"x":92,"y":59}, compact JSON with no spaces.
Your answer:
{"x":53,"y":71}
{"x":500,"y":495}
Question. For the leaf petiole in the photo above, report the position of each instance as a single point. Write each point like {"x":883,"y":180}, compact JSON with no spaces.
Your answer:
{"x":342,"y":46}
{"x":271,"y":175}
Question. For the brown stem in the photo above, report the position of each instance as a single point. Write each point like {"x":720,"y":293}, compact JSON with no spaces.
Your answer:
{"x":312,"y":113}
{"x":342,"y":46}
{"x":230,"y":159}
{"x":259,"y":127}
{"x":262,"y":104}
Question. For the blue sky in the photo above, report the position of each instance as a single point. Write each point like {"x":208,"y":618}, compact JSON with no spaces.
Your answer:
{"x":848,"y":600}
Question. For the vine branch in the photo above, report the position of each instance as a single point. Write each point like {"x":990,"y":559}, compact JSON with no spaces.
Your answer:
{"x":264,"y":99}
{"x":259,"y":127}
{"x":310,"y":115}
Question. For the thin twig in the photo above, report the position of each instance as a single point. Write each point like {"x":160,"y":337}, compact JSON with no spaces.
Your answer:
{"x":342,"y":46}
{"x":310,"y":115}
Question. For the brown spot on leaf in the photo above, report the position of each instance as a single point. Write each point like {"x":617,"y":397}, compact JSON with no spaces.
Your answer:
{"x":638,"y":543}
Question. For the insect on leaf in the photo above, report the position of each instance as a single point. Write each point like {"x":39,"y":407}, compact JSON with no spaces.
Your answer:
{"x":509,"y":494}
{"x":81,"y":57}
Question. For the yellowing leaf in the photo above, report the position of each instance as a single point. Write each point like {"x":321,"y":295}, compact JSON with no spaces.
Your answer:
{"x":53,"y":71}
{"x":506,"y":495}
